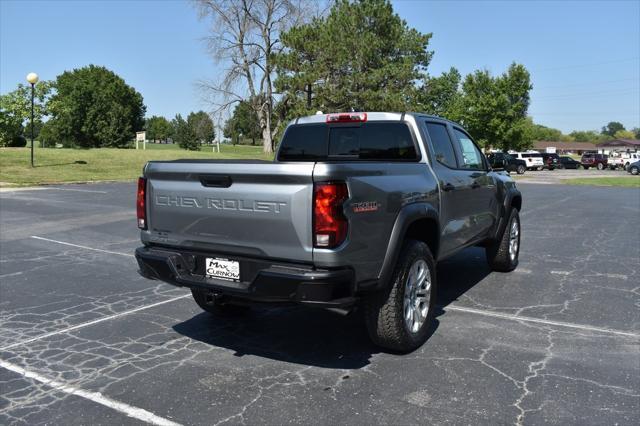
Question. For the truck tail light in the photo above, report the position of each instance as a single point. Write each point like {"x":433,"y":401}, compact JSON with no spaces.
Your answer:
{"x":347,"y":117}
{"x":329,"y":223}
{"x":141,"y":203}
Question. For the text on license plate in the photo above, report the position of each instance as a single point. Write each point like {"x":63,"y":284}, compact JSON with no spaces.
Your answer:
{"x":222,"y":269}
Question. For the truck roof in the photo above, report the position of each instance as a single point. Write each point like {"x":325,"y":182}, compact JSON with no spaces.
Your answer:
{"x":371,"y":116}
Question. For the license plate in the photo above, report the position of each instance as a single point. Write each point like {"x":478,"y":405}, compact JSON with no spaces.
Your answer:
{"x":223,"y":269}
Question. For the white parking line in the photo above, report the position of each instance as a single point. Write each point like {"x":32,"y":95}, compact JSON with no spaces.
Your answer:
{"x":96,"y":321}
{"x":539,"y":321}
{"x":82,"y":247}
{"x":76,"y":190}
{"x":129,"y":410}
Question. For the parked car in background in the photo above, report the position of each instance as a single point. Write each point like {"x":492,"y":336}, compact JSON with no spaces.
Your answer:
{"x":568,"y":163}
{"x":550,"y":160}
{"x":622,"y":159}
{"x":591,"y":159}
{"x":500,"y":160}
{"x":634,"y":168}
{"x":533,"y":160}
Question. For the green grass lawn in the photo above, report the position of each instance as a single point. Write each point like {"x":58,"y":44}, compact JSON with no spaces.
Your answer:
{"x":622,"y":181}
{"x":82,"y":165}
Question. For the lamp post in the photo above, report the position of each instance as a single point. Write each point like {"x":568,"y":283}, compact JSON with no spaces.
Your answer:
{"x":32,"y":78}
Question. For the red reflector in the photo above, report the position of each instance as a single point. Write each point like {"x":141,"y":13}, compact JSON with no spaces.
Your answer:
{"x":141,"y":203}
{"x":347,"y":117}
{"x":329,"y":224}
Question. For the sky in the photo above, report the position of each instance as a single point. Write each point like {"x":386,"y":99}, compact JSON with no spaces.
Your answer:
{"x":583,"y":56}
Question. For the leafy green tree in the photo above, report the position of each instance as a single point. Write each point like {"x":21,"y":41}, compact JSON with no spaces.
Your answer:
{"x":624,"y":134}
{"x":94,"y":107}
{"x":636,"y":132}
{"x":201,"y":126}
{"x":611,"y":128}
{"x":183,"y":134}
{"x":361,"y":56}
{"x":494,"y":109}
{"x":157,"y":128}
{"x":442,"y":96}
{"x":15,"y":111}
{"x":544,"y":133}
{"x":243,"y":121}
{"x":587,"y":136}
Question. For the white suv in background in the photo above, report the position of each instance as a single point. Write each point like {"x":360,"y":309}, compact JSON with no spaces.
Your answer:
{"x":533,"y":159}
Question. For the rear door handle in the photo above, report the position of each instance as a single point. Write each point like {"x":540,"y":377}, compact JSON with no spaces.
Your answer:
{"x":448,"y":187}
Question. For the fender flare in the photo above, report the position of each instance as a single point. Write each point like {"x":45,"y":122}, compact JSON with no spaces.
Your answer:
{"x":509,"y":195}
{"x":407,"y":215}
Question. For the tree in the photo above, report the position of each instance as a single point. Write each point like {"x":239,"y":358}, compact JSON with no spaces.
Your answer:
{"x":624,"y":134}
{"x":245,"y":36}
{"x":362,"y":56}
{"x":201,"y":126}
{"x":243,"y":121}
{"x":183,"y":134}
{"x":611,"y":128}
{"x":544,"y":133}
{"x":494,"y":109}
{"x":94,"y":107}
{"x":587,"y":136}
{"x":636,"y":132}
{"x":15,"y":111}
{"x":441,"y":95}
{"x":157,"y":128}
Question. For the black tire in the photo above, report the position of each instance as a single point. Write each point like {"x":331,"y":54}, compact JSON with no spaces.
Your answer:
{"x":585,"y":167}
{"x":498,"y":254}
{"x":216,"y":305}
{"x":634,"y":170}
{"x":521,"y":169}
{"x":600,"y":166}
{"x":384,"y":311}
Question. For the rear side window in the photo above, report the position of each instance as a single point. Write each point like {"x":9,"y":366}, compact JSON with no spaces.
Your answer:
{"x":442,"y":144}
{"x":373,"y":141}
{"x":304,"y":143}
{"x":471,"y":156}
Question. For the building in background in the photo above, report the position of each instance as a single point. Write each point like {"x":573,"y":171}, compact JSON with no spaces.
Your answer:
{"x":561,"y":147}
{"x":623,"y":145}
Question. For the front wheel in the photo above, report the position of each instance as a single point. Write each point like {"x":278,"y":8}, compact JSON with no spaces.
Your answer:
{"x":502,"y":255}
{"x":600,"y":166}
{"x":521,"y":169}
{"x":400,"y":316}
{"x":585,"y":167}
{"x":634,"y":170}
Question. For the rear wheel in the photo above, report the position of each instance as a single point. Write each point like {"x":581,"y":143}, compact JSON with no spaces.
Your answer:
{"x":521,"y":169}
{"x":399,"y":317}
{"x":502,"y":255}
{"x":600,"y":166}
{"x":585,"y":167}
{"x":216,"y":304}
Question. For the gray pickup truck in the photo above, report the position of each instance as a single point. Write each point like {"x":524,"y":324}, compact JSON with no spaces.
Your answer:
{"x":355,"y":211}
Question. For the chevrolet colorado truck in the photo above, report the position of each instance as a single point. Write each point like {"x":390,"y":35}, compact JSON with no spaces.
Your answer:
{"x":355,"y":211}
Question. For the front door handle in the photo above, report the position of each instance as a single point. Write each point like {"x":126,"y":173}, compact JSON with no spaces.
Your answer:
{"x":448,"y":187}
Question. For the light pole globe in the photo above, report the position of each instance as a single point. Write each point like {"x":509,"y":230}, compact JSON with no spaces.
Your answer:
{"x":32,"y":78}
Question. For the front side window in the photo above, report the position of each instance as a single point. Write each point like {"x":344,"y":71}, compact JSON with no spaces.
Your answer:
{"x":471,"y":155}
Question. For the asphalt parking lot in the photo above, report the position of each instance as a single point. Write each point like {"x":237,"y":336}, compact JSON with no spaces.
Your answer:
{"x":85,"y":340}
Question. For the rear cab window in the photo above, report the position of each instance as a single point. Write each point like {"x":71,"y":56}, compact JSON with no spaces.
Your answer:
{"x":370,"y":141}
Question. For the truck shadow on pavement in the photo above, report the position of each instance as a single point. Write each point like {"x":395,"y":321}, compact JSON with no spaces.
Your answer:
{"x":317,"y":337}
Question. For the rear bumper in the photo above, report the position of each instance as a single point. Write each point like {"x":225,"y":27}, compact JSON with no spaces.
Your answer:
{"x":262,"y":281}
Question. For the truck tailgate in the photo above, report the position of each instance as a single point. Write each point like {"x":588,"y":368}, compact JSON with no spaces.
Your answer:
{"x":248,"y":208}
